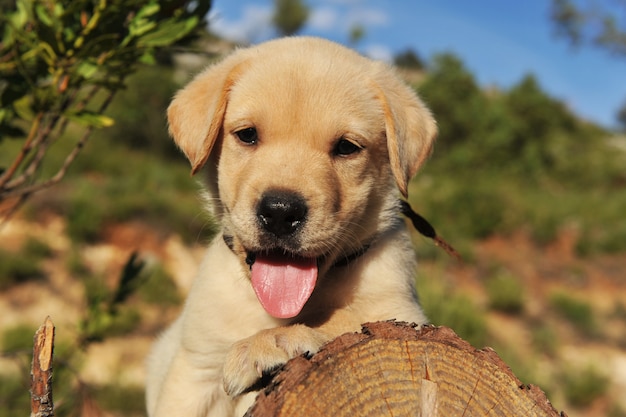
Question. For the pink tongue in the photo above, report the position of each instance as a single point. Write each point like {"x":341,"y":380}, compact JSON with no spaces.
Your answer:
{"x":283,"y":285}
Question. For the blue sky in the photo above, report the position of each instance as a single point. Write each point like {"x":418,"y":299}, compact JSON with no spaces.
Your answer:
{"x":498,"y":41}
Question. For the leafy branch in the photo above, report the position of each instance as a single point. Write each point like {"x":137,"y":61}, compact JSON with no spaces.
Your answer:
{"x":61,"y":63}
{"x":600,"y":23}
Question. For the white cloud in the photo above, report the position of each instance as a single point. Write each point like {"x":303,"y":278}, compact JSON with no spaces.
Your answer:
{"x":367,"y":17}
{"x":323,"y":19}
{"x":255,"y":24}
{"x":378,"y":52}
{"x":335,"y":18}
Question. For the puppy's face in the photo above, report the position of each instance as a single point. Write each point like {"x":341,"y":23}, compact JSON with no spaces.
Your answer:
{"x":303,"y":167}
{"x":309,"y":146}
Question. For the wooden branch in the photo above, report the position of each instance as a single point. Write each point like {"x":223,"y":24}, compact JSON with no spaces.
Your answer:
{"x":26,"y":148}
{"x":392,"y":369}
{"x":41,"y":404}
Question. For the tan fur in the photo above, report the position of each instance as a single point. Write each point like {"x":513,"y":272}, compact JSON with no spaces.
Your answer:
{"x":301,"y":95}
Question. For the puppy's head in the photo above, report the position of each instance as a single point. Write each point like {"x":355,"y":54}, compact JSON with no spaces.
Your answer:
{"x":308,"y":145}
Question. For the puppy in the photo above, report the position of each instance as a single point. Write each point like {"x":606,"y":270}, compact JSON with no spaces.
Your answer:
{"x":308,"y":147}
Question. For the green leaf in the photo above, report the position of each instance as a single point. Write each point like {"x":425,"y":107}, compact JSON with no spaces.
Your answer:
{"x":138,"y":28}
{"x":141,"y":23}
{"x":58,"y":10}
{"x":89,"y":118}
{"x":42,"y":14}
{"x":87,"y":69}
{"x":148,"y":10}
{"x":20,"y":16}
{"x":148,"y":58}
{"x":23,"y":108}
{"x":169,"y":32}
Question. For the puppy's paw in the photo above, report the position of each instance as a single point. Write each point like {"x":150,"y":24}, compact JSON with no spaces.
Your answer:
{"x":249,"y":358}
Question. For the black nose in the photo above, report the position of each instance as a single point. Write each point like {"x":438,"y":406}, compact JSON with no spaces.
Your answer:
{"x":282,"y":213}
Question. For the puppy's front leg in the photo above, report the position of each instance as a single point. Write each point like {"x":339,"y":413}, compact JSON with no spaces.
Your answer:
{"x":249,"y":358}
{"x":190,"y":390}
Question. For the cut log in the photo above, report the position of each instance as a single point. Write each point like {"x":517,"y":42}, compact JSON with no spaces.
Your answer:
{"x":394,"y":369}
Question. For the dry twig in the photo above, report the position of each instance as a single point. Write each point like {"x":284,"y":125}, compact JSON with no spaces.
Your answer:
{"x":41,"y":404}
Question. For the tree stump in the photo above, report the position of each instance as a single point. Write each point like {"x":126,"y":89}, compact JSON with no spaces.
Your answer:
{"x":393,"y":369}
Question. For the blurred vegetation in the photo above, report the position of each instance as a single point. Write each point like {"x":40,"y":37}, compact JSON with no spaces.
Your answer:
{"x":159,"y":288}
{"x":518,"y":159}
{"x":446,"y":307}
{"x":409,"y":60}
{"x":121,"y":400}
{"x":505,"y":293}
{"x":598,"y":23}
{"x":544,"y":338}
{"x":586,"y":21}
{"x":583,"y":385}
{"x":290,"y":16}
{"x":505,"y":161}
{"x":110,"y":312}
{"x":23,"y":265}
{"x":107,"y":314}
{"x":62,"y":63}
{"x":578,"y":312}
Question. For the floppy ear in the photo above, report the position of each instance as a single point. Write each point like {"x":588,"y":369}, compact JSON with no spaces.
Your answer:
{"x":196,"y":114}
{"x":410,"y":128}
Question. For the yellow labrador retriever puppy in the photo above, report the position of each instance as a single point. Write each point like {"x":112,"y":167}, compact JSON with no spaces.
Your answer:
{"x":308,"y":147}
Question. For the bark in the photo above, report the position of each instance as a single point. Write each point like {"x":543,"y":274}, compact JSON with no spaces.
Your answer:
{"x":41,"y":404}
{"x":394,"y":369}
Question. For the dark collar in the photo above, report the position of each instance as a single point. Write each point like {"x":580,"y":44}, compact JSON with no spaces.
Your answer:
{"x":340,"y":263}
{"x":353,"y":256}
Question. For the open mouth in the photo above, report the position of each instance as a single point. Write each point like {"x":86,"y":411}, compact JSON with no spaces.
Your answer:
{"x":282,"y":282}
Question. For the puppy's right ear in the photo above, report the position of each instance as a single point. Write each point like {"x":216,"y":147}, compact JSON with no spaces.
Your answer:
{"x":196,"y":114}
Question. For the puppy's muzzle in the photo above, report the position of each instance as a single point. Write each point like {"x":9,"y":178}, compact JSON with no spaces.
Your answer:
{"x":282,"y":213}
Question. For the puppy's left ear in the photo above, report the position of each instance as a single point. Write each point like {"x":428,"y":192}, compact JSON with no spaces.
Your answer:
{"x":410,"y":128}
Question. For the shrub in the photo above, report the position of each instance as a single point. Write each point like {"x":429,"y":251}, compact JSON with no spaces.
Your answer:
{"x":602,"y":230}
{"x":18,"y":339}
{"x":616,"y":410}
{"x":86,"y":212}
{"x":14,"y":398}
{"x":37,"y":248}
{"x":582,"y":386}
{"x":126,"y":401}
{"x":18,"y":268}
{"x":62,"y":63}
{"x":579,"y":313}
{"x":139,"y":113}
{"x":505,"y":293}
{"x":460,"y":210}
{"x":107,"y":311}
{"x":544,"y":338}
{"x":152,"y":190}
{"x":444,"y":307}
{"x":159,"y":288}
{"x":479,"y":212}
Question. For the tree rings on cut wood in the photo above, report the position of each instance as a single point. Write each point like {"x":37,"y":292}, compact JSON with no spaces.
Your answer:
{"x":394,"y":369}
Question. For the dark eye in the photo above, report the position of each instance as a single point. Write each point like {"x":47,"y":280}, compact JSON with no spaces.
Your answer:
{"x":247,"y":136}
{"x":344,"y":147}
